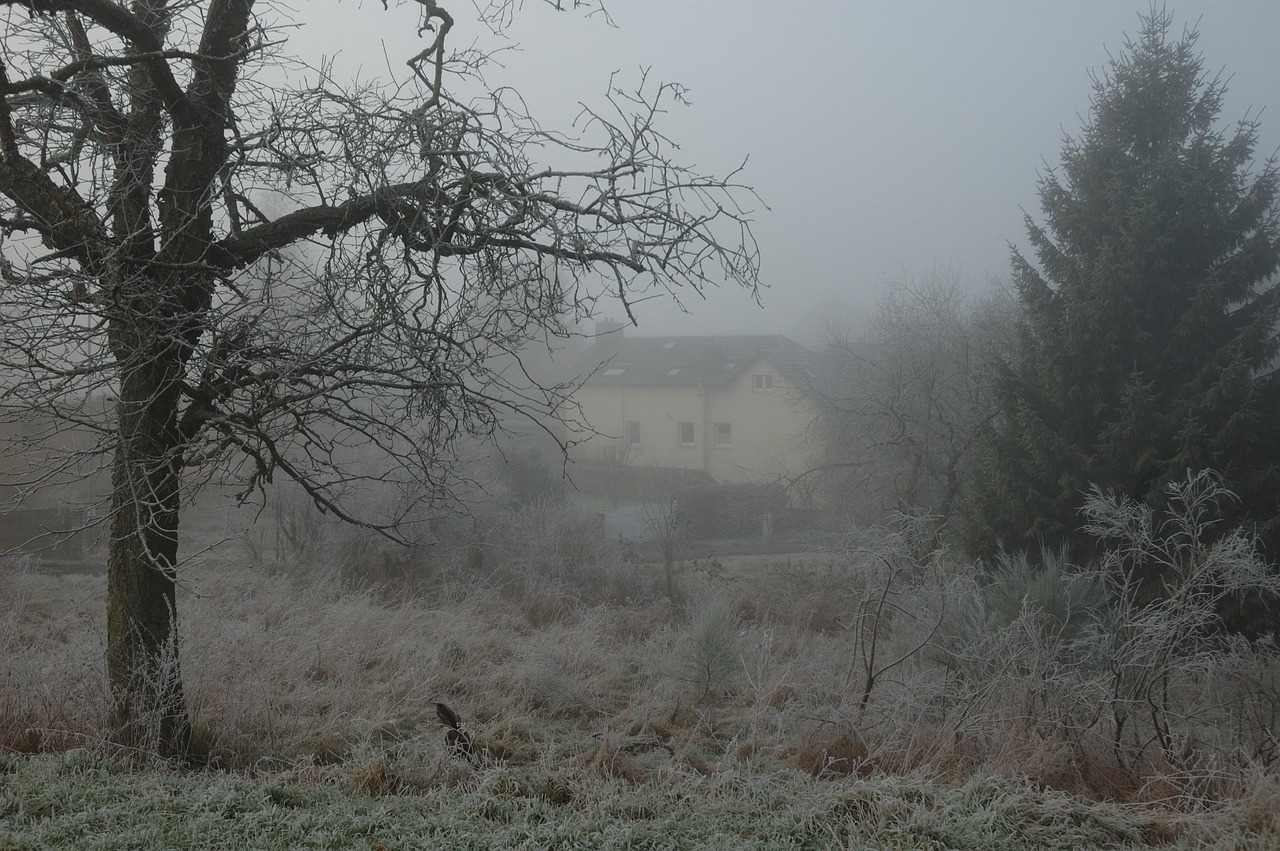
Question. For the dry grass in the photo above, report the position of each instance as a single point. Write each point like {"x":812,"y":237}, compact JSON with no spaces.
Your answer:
{"x":305,"y":672}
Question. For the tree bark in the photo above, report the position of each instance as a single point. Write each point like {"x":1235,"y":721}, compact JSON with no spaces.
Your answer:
{"x":149,"y":707}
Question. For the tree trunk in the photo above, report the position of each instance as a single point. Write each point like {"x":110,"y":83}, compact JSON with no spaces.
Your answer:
{"x":149,"y":708}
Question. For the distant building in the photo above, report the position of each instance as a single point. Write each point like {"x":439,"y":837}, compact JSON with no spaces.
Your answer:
{"x":731,"y":408}
{"x":47,"y":461}
{"x":54,"y":482}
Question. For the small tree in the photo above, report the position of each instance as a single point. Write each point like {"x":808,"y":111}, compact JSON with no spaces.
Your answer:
{"x":277,"y":281}
{"x":902,"y":403}
{"x":1147,"y":341}
{"x":617,"y":459}
{"x":666,"y":523}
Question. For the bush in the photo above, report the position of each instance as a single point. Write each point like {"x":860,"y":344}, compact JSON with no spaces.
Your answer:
{"x":733,"y":510}
{"x":707,"y":655}
{"x":1068,"y":598}
{"x":530,"y":477}
{"x":1168,"y":575}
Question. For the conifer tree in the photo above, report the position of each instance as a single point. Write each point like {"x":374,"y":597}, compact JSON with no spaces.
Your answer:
{"x":1148,"y":337}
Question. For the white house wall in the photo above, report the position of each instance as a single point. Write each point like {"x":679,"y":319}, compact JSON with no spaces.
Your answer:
{"x":768,"y":427}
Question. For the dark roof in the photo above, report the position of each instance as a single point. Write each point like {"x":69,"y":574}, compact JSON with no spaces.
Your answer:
{"x":682,"y":361}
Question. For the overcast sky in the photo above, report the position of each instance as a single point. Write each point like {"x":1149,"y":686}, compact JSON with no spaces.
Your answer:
{"x":887,"y":138}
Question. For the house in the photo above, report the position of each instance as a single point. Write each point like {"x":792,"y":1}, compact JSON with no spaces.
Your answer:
{"x":725,"y":409}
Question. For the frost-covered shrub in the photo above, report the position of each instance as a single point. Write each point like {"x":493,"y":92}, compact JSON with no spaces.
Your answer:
{"x":705,"y":651}
{"x":1068,"y":598}
{"x":1168,"y":575}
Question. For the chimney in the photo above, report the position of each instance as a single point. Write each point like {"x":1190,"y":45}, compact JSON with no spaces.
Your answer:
{"x":607,"y":330}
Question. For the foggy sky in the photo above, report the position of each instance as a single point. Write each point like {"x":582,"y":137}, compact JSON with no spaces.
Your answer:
{"x":887,"y":139}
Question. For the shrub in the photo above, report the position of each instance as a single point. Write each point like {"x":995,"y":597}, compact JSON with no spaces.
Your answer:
{"x":729,"y":510}
{"x":1068,"y":598}
{"x":707,"y":653}
{"x":1169,"y":575}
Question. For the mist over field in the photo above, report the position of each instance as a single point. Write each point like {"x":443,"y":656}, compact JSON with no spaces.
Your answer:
{"x":573,"y":425}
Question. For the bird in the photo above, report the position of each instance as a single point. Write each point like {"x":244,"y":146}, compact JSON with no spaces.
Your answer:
{"x":447,"y":716}
{"x":457,"y":739}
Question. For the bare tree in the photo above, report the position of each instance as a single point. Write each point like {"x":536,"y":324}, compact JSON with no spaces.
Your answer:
{"x":270,"y":281}
{"x":665,"y":523}
{"x":616,"y":460}
{"x":902,"y":402}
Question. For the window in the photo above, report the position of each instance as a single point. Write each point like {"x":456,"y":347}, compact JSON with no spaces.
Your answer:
{"x":613,"y":372}
{"x":633,"y":432}
{"x":724,"y":435}
{"x":762,"y":383}
{"x":684,"y":434}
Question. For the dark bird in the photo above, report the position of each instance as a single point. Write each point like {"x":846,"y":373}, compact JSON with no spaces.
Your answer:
{"x":447,"y":716}
{"x":457,"y":739}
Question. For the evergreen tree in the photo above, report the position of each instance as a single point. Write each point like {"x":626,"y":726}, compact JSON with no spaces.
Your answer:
{"x":1147,"y":342}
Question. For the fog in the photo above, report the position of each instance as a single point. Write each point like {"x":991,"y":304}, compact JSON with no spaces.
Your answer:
{"x":885,"y":139}
{"x":944,"y":580}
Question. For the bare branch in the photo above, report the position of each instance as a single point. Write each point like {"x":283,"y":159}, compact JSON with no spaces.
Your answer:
{"x":341,"y":285}
{"x":117,"y":19}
